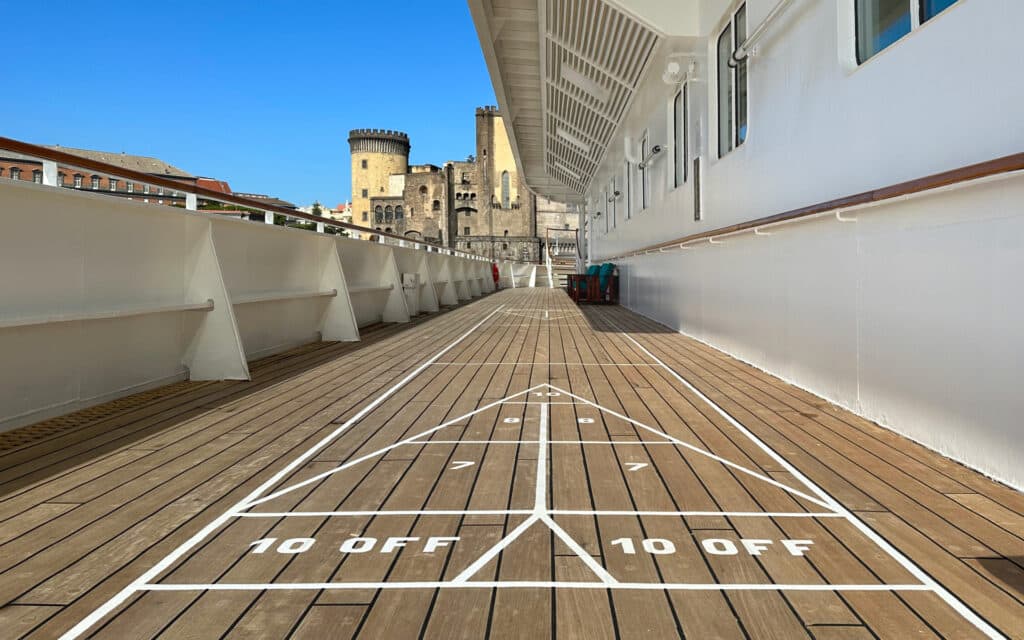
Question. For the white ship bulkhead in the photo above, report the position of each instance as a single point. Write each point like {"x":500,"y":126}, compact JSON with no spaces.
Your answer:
{"x":907,"y":311}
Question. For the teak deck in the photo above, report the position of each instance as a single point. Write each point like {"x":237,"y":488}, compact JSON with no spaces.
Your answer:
{"x":514,"y":468}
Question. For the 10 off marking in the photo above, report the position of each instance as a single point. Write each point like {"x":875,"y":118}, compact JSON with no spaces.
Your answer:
{"x":714,"y":546}
{"x":292,"y":546}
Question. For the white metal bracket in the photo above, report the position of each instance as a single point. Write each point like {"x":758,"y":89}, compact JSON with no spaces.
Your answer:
{"x":840,"y":218}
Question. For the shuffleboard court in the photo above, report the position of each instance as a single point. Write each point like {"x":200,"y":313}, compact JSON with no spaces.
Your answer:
{"x":542,"y":473}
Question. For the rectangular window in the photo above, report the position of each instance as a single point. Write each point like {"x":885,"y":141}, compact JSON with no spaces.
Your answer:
{"x":145,"y":188}
{"x":78,"y":182}
{"x":607,"y":217}
{"x":95,"y":182}
{"x":366,"y":216}
{"x":732,"y":84}
{"x":740,"y":29}
{"x":931,"y":8}
{"x":113,"y":184}
{"x":366,"y":193}
{"x":645,"y":174}
{"x":698,"y":201}
{"x":725,"y":90}
{"x":15,"y":173}
{"x":465,"y":231}
{"x":130,"y":187}
{"x":37,"y":176}
{"x":629,"y":191}
{"x":680,"y":113}
{"x":613,"y":206}
{"x":879,"y":24}
{"x":363,"y":164}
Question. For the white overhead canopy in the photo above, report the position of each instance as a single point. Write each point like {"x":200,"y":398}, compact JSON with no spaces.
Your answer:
{"x":564,"y":72}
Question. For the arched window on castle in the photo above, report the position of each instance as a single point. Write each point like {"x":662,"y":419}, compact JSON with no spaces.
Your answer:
{"x":389,"y":213}
{"x":506,"y":233}
{"x":398,"y":212}
{"x":458,"y":196}
{"x":436,"y":206}
{"x":506,"y":190}
{"x":423,"y":190}
{"x":378,"y":213}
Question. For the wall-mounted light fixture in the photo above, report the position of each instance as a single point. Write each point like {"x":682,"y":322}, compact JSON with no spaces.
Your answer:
{"x":655,"y":150}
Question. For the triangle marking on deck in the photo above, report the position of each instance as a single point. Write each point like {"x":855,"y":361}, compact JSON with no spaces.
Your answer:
{"x":413,"y":440}
{"x":698,"y":450}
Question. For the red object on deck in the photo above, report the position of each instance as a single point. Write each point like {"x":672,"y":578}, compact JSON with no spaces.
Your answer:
{"x":494,"y":274}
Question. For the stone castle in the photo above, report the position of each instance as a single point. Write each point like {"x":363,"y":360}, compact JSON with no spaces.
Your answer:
{"x":478,"y":205}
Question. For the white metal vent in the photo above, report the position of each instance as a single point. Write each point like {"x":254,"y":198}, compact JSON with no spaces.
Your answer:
{"x":565,"y":72}
{"x":595,"y":56}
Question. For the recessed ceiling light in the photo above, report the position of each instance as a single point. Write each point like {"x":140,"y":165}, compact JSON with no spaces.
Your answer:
{"x":565,"y":135}
{"x":581,"y":81}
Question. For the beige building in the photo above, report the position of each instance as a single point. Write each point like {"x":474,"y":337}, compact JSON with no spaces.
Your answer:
{"x":479,"y":205}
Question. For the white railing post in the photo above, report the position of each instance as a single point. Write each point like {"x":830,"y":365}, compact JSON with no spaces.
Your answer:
{"x":320,"y":227}
{"x":268,"y":217}
{"x":191,"y":202}
{"x":50,"y":173}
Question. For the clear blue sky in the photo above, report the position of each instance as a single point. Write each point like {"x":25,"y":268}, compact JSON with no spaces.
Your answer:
{"x":261,"y":94}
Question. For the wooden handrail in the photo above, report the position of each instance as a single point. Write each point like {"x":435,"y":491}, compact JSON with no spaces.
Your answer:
{"x":71,"y":160}
{"x":1005,"y":164}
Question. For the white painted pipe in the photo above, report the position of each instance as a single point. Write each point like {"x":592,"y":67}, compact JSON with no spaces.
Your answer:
{"x":743,"y":50}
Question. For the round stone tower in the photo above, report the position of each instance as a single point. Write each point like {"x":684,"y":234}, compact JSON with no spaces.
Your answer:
{"x":377,"y":154}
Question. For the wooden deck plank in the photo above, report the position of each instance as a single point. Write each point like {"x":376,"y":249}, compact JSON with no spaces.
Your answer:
{"x":85,"y":511}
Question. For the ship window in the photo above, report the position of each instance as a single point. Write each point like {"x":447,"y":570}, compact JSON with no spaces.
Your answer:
{"x":679,"y":151}
{"x":931,"y":8}
{"x":732,"y":85}
{"x":645,"y":176}
{"x":613,"y":204}
{"x":879,"y":24}
{"x":629,"y":191}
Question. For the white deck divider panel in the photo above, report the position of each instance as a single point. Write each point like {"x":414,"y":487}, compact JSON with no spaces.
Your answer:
{"x":442,"y":279}
{"x":415,"y":261}
{"x":374,"y":281}
{"x":103,"y":297}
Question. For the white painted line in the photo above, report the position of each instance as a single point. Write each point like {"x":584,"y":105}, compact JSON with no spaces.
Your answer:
{"x":611,"y":442}
{"x":540,"y":501}
{"x":698,"y":450}
{"x":633,"y":586}
{"x":587,"y":559}
{"x":121,"y":596}
{"x":427,"y":512}
{"x":526,"y":512}
{"x":529,"y":364}
{"x":410,"y":440}
{"x":966,"y":612}
{"x":493,"y":552}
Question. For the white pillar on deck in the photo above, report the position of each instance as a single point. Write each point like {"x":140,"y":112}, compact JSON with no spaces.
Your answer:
{"x":50,"y":173}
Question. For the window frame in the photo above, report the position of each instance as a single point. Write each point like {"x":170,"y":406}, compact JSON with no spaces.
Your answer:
{"x":613,"y":204}
{"x":15,"y":173}
{"x":737,"y":102}
{"x":916,"y":10}
{"x":680,"y":136}
{"x":629,"y":190}
{"x":645,"y":172}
